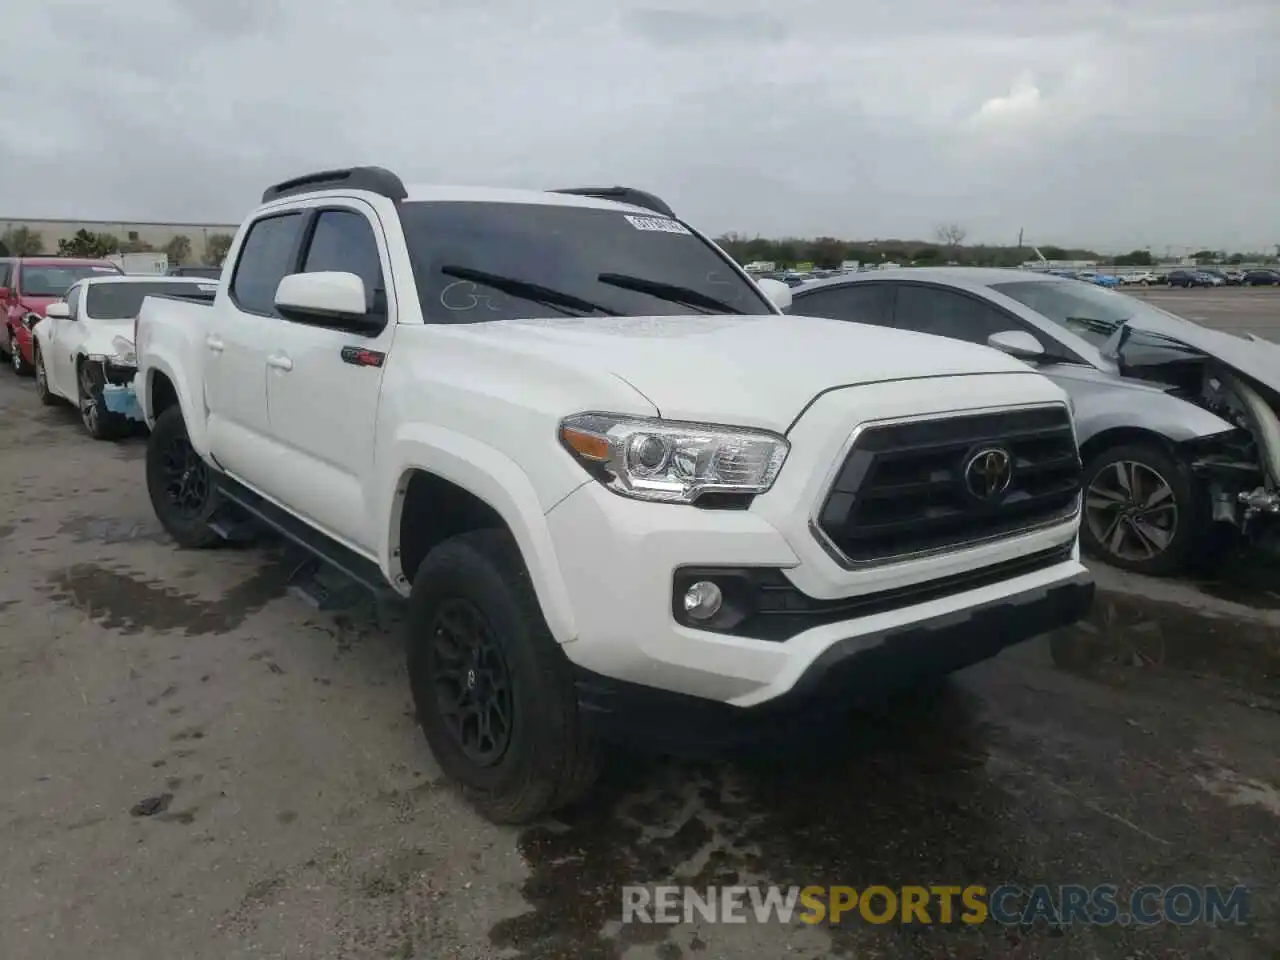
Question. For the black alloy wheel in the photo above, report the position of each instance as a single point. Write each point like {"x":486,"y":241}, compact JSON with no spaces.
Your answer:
{"x":472,"y":681}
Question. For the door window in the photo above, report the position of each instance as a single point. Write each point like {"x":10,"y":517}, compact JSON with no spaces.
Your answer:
{"x":343,"y":240}
{"x":858,"y":302}
{"x":946,"y":313}
{"x":267,"y":255}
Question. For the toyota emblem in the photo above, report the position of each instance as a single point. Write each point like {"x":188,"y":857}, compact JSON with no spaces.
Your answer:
{"x":988,"y":473}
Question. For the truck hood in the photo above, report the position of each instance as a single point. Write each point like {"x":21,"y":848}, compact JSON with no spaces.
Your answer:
{"x":757,"y":371}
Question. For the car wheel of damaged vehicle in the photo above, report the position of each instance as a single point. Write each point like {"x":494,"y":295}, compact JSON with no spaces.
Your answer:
{"x":180,"y":484}
{"x":16,"y":360}
{"x":100,"y":422}
{"x":1140,"y":510}
{"x":47,"y":397}
{"x":492,"y":689}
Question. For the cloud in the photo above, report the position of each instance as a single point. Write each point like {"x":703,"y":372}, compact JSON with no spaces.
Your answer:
{"x":1098,"y":123}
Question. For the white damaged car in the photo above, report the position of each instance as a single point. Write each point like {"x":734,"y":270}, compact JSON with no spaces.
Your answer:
{"x":84,"y":346}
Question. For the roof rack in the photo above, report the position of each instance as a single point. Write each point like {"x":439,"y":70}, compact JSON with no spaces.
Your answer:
{"x":637,"y":198}
{"x":377,"y":180}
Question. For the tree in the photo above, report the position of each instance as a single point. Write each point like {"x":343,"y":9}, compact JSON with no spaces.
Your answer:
{"x":1134,"y":258}
{"x":1205,"y":256}
{"x":951,"y":235}
{"x":23,"y":242}
{"x":216,"y":246}
{"x":178,"y":249}
{"x":86,"y":244}
{"x":136,"y":246}
{"x":927,"y":255}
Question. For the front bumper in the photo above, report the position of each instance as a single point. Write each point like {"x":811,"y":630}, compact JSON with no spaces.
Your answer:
{"x":620,"y":560}
{"x":118,"y":394}
{"x":857,"y":670}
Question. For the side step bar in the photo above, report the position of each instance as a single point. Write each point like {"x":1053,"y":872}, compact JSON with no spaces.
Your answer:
{"x":321,"y":556}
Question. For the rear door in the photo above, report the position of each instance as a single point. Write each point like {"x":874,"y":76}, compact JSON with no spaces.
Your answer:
{"x":241,"y":331}
{"x":323,"y":381}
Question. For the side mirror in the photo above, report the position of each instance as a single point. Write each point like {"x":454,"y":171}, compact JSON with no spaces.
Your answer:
{"x":59,"y":310}
{"x":1017,"y":343}
{"x":325,"y":295}
{"x":777,"y":292}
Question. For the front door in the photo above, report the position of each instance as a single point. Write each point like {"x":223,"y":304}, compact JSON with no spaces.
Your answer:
{"x":323,"y":384}
{"x":237,"y":340}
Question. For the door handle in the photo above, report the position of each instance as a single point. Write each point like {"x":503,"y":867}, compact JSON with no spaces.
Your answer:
{"x":214,"y":343}
{"x":280,"y":362}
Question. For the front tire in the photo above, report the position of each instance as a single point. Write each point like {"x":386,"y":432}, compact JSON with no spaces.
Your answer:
{"x":100,"y":422}
{"x":180,"y":484}
{"x":17,"y":362}
{"x":47,"y":397}
{"x":492,"y":689}
{"x":1142,"y":510}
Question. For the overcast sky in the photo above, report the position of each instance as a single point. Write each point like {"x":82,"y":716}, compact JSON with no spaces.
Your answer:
{"x":1098,"y":122}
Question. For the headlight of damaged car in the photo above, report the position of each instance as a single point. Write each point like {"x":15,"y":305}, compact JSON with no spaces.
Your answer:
{"x":670,"y":461}
{"x":123,"y":350}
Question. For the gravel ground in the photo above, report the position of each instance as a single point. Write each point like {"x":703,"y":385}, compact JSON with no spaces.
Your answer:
{"x":198,"y":765}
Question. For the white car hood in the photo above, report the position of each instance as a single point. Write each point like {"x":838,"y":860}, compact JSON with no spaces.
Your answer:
{"x":1254,"y":357}
{"x":758,"y":371}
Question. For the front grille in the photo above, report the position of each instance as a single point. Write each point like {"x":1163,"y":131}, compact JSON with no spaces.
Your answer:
{"x":906,"y":488}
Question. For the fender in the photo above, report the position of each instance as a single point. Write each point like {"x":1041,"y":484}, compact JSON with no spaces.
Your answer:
{"x":1098,"y":410}
{"x":499,"y":482}
{"x":193,"y":410}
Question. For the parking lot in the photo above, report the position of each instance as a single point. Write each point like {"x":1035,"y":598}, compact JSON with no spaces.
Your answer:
{"x":1239,"y":310}
{"x":197,"y":764}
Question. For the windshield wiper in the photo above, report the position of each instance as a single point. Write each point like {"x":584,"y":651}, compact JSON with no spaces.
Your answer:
{"x":566,"y":303}
{"x":671,"y":292}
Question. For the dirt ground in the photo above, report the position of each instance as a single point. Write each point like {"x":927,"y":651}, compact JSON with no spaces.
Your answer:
{"x":196,"y":764}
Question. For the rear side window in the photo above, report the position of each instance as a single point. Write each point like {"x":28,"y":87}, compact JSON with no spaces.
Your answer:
{"x":946,"y":313}
{"x":267,"y":255}
{"x":856,"y":302}
{"x":343,"y":240}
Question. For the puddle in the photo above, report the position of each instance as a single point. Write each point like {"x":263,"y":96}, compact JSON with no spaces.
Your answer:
{"x":1128,"y":631}
{"x":906,"y":793}
{"x":123,"y":601}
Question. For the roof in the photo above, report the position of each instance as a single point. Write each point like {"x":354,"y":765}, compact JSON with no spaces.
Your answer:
{"x":145,"y":278}
{"x":66,"y":262}
{"x":427,"y":193}
{"x":952,"y":276}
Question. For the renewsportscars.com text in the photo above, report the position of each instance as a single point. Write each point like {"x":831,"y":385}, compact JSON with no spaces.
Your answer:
{"x":1008,"y":904}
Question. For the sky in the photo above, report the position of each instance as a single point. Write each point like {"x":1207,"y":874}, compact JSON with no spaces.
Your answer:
{"x":1102,"y":123}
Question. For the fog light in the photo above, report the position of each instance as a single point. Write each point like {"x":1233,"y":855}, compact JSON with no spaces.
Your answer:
{"x":702,"y":600}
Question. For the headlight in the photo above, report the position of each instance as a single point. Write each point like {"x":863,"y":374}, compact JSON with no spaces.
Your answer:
{"x":123,"y":349}
{"x":670,"y":461}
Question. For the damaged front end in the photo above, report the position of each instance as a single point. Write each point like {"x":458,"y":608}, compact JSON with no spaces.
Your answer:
{"x":1224,"y":375}
{"x":113,"y":374}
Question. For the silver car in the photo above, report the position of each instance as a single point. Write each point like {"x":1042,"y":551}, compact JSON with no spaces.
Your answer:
{"x":1177,"y":423}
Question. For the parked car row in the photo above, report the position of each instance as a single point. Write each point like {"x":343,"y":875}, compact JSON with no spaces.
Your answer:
{"x":1178,"y":424}
{"x":621,"y":494}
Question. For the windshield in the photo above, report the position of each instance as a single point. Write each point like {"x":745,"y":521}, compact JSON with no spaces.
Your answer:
{"x":122,"y":301}
{"x":475,"y":262}
{"x":38,"y":280}
{"x":1090,"y":312}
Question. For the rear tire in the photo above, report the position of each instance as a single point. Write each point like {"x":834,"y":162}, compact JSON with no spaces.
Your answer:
{"x":180,"y":484}
{"x":493,"y":691}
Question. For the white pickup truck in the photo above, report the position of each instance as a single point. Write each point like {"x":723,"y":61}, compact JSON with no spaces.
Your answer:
{"x":623,"y":495}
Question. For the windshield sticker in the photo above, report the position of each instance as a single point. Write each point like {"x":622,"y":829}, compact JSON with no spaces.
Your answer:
{"x":207,"y":287}
{"x":104,"y":269}
{"x":657,"y":224}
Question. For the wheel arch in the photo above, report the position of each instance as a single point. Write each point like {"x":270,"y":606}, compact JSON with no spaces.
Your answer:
{"x":477,"y":486}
